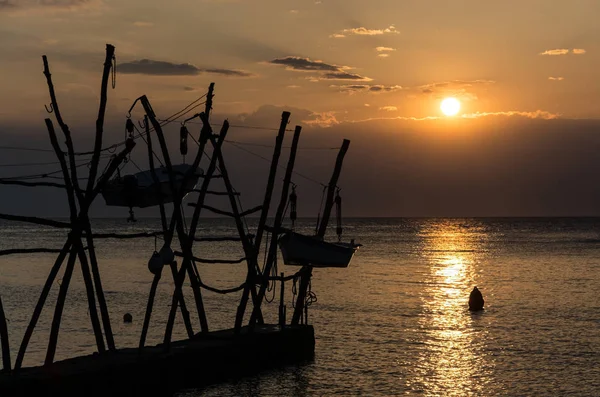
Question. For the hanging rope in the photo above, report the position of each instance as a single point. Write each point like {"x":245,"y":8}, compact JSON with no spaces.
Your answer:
{"x":320,"y":209}
{"x":293,"y":204}
{"x":338,"y":213}
{"x":114,"y":71}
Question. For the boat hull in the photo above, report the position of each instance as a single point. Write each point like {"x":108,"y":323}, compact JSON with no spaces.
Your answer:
{"x":140,"y":190}
{"x":300,"y":250}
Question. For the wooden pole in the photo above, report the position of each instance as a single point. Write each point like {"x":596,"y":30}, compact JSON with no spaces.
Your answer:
{"x":97,"y":280}
{"x":110,"y":52}
{"x":89,"y":289}
{"x":272,"y":254}
{"x":177,"y":217}
{"x":282,"y":303}
{"x":76,"y":239}
{"x":187,"y":261}
{"x":62,"y":294}
{"x":331,"y":188}
{"x":285,"y":116}
{"x":4,"y":340}
{"x":65,"y":128}
{"x":40,"y":304}
{"x":149,"y":310}
{"x":307,"y":270}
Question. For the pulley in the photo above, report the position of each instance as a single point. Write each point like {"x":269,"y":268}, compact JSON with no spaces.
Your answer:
{"x":183,"y":136}
{"x":129,"y":126}
{"x":338,"y":211}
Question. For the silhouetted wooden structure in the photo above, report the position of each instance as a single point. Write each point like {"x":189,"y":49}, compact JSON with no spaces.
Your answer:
{"x":205,"y":356}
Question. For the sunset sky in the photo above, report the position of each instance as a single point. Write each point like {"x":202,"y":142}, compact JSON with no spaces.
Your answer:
{"x":522,"y":70}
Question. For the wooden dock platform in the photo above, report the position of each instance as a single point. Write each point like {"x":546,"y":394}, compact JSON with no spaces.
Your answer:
{"x":200,"y":361}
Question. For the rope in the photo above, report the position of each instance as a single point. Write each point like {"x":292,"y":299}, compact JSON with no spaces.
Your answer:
{"x":280,"y":166}
{"x":25,"y":148}
{"x":284,"y":147}
{"x":114,"y":71}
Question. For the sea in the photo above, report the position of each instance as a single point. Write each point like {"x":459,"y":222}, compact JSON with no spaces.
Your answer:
{"x":395,"y":322}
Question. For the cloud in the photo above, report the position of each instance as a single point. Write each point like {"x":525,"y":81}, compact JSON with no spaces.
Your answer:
{"x":143,"y":24}
{"x":305,"y":64}
{"x":384,"y":49}
{"x":344,"y":76}
{"x":458,"y":88}
{"x":556,"y":78}
{"x":162,"y":68}
{"x":48,"y":4}
{"x":538,"y":114}
{"x":362,"y":31}
{"x":383,"y":55}
{"x":187,"y":88}
{"x":564,"y":51}
{"x":389,"y":108}
{"x":561,"y":51}
{"x":376,"y":88}
{"x":330,"y":71}
{"x":322,"y":119}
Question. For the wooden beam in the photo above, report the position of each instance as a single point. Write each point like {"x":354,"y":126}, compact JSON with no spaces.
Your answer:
{"x":272,"y":253}
{"x":307,"y":270}
{"x":58,"y":310}
{"x":6,"y":363}
{"x":285,"y":117}
{"x":35,"y":220}
{"x":40,"y":304}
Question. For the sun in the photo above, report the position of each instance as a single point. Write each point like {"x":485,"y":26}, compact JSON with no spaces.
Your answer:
{"x":450,"y":106}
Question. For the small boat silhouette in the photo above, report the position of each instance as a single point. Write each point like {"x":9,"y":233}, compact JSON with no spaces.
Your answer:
{"x":140,"y":190}
{"x":301,"y":250}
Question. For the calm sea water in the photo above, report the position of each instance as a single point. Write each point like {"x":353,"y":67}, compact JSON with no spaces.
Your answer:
{"x":394,"y":323}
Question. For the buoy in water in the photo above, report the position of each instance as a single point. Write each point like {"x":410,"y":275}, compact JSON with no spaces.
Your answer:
{"x":476,"y":300}
{"x":127,"y":318}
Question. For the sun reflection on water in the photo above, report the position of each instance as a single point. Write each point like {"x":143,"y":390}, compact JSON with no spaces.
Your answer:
{"x":453,"y":361}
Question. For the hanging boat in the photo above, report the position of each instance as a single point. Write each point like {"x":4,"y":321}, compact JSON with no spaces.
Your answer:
{"x":301,"y":250}
{"x":140,"y":190}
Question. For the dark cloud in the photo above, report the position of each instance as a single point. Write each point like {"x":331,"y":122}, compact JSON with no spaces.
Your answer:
{"x":454,"y":84}
{"x":305,"y":64}
{"x":16,"y":4}
{"x":344,"y":76}
{"x":228,"y":72}
{"x":375,"y":88}
{"x":162,"y":68}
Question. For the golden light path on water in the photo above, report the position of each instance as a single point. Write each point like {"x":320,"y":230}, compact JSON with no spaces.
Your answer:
{"x":453,"y":362}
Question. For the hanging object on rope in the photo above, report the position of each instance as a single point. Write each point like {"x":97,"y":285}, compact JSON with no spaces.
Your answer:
{"x":140,"y":190}
{"x":338,"y":213}
{"x":183,"y":136}
{"x":293,"y":205}
{"x":129,"y":126}
{"x":155,"y":264}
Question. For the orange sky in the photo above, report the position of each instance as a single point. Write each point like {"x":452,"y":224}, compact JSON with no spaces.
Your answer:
{"x":533,"y":56}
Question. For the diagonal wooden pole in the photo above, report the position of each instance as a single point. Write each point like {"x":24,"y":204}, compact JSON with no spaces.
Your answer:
{"x":307,"y":270}
{"x":4,"y":340}
{"x":272,"y":253}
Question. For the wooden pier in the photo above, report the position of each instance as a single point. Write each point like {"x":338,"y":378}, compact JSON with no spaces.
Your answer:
{"x":155,"y":371}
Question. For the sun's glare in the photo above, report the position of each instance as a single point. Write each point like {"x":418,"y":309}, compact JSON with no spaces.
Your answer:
{"x":450,"y":106}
